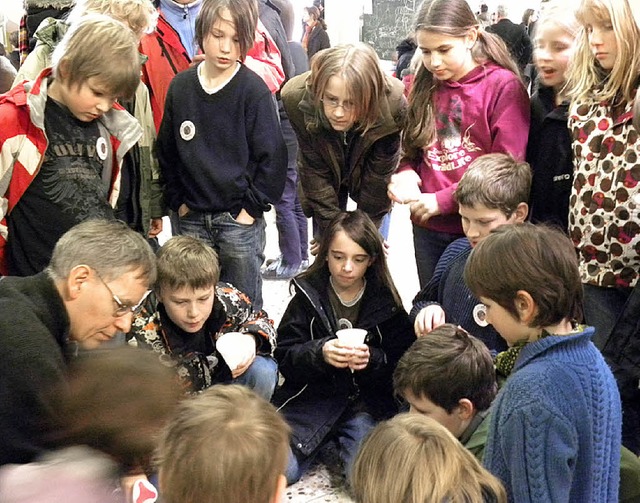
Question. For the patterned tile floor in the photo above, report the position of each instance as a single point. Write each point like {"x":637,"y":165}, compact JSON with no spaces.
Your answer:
{"x":322,"y":483}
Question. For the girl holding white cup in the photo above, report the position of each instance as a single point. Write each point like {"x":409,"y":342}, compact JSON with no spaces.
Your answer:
{"x":334,"y":387}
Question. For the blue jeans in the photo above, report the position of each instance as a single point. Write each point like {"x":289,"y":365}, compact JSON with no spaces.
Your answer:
{"x":350,"y":431}
{"x":261,"y":377}
{"x":240,"y":248}
{"x":429,"y":246}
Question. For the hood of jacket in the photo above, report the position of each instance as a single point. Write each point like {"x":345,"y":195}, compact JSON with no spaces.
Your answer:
{"x":50,"y":32}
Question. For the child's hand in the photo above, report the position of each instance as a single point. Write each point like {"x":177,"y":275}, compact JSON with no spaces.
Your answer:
{"x":360,"y":358}
{"x":427,"y":319}
{"x":243,"y":366}
{"x":155,"y":227}
{"x":337,"y":355}
{"x":183,"y":210}
{"x":424,"y":208}
{"x":244,"y":218}
{"x":314,"y":247}
{"x":404,"y":187}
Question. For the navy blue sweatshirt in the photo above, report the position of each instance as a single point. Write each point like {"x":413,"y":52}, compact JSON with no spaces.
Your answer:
{"x":221,"y":152}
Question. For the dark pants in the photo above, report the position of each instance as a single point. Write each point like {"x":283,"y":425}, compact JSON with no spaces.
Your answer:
{"x":602,"y":310}
{"x":429,"y":246}
{"x":290,"y":220}
{"x":350,"y":431}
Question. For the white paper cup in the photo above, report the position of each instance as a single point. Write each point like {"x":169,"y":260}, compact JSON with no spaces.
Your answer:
{"x":236,"y":347}
{"x":351,"y":336}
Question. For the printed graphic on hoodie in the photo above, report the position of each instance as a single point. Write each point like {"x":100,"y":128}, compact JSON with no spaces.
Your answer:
{"x":456,"y":144}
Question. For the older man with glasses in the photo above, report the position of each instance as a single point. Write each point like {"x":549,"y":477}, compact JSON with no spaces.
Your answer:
{"x":99,"y":275}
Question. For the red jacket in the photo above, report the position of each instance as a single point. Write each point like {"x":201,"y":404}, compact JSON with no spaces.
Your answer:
{"x":23,"y":143}
{"x":166,"y":57}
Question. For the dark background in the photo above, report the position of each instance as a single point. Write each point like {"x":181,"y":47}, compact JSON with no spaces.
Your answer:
{"x":390,"y":22}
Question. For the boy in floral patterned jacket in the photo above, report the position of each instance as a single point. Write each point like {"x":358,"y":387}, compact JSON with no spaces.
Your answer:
{"x":191,"y":310}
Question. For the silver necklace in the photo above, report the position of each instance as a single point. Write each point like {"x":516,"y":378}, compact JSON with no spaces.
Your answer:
{"x":352,"y":302}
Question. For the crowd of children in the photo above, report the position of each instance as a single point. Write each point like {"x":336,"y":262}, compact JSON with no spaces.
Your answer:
{"x":510,"y":362}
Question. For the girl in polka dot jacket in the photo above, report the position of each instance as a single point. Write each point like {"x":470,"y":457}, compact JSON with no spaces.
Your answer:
{"x":604,"y":207}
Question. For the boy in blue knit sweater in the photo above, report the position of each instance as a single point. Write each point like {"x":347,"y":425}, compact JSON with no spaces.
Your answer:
{"x":555,"y":428}
{"x":449,"y":376}
{"x":493,"y":191}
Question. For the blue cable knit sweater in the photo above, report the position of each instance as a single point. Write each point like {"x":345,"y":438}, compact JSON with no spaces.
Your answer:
{"x":554,"y":435}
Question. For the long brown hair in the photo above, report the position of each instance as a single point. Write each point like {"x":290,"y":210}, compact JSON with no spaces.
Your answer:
{"x":359,"y":227}
{"x":453,"y":18}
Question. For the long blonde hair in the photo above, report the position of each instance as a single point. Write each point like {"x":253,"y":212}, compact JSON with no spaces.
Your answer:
{"x":453,"y":18}
{"x":414,"y":459}
{"x":587,"y":80}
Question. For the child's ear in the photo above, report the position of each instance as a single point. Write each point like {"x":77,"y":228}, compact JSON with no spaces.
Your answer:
{"x":521,"y":212}
{"x":471,"y":37}
{"x":62,"y":71}
{"x":526,"y":307}
{"x":466,"y":410}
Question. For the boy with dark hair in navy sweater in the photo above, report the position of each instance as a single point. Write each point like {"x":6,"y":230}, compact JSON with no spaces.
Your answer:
{"x":492,"y":192}
{"x":220,"y":147}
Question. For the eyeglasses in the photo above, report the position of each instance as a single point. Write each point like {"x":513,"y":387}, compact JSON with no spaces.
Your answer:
{"x":334,"y":103}
{"x":123,"y":308}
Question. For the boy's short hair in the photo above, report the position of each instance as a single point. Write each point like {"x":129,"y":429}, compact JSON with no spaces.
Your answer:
{"x":496,"y":181}
{"x":227,"y":445}
{"x":245,"y":18}
{"x":446,"y":366}
{"x":99,"y":47}
{"x":535,"y":258}
{"x":110,"y":247}
{"x":139,"y":15}
{"x":186,"y":261}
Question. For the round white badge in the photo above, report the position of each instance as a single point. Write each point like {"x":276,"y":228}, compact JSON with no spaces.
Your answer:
{"x":480,"y":315}
{"x":101,"y":148}
{"x":187,"y":130}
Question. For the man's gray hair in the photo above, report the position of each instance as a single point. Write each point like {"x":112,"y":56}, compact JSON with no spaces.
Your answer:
{"x":502,"y":10}
{"x":110,"y":247}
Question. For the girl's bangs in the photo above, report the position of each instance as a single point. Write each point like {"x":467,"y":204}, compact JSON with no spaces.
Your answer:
{"x":593,"y":10}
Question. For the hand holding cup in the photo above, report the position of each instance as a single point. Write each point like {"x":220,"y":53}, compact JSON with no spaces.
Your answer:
{"x":236,"y":348}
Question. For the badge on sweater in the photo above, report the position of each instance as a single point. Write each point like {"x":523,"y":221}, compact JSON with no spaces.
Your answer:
{"x":480,"y":315}
{"x":187,"y":130}
{"x":101,"y":148}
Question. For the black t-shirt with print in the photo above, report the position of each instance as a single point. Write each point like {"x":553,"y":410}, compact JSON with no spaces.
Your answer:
{"x":67,"y":190}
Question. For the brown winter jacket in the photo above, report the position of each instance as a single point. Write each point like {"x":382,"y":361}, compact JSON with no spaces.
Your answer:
{"x":332,"y":164}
